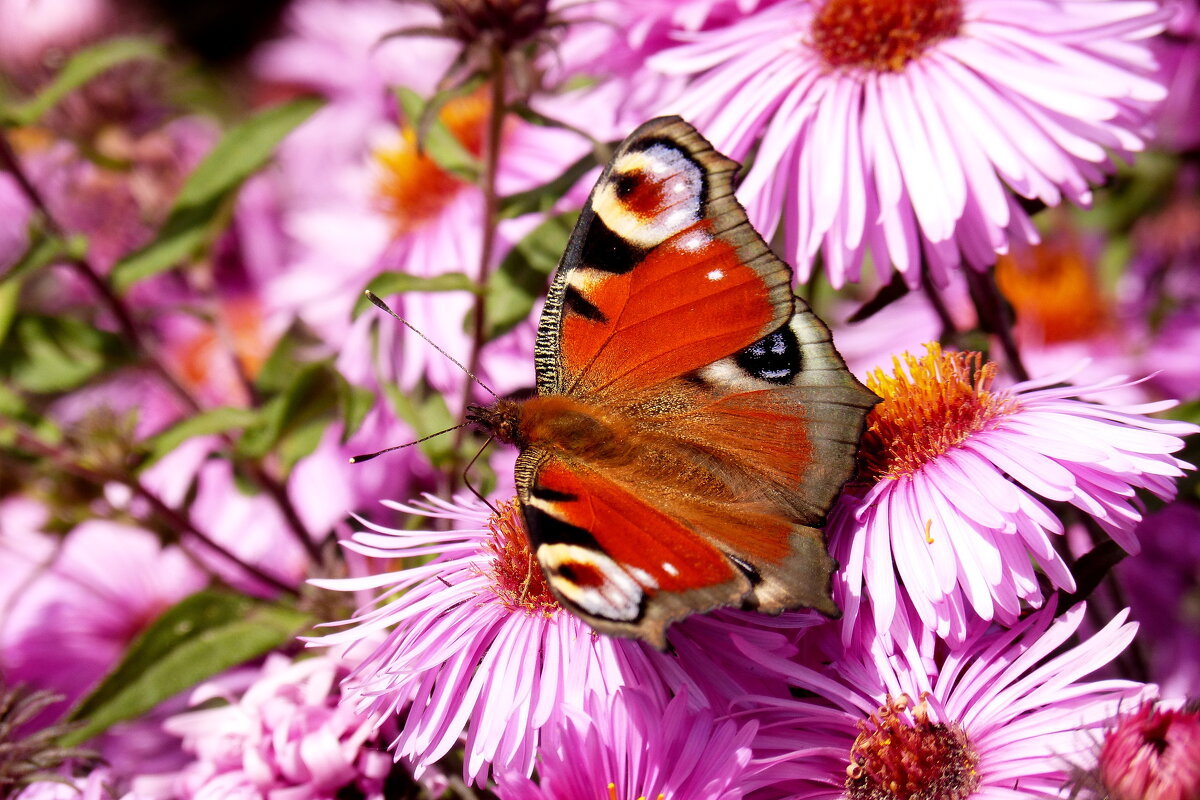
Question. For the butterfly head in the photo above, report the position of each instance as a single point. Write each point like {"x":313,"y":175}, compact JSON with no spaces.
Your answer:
{"x":501,"y":419}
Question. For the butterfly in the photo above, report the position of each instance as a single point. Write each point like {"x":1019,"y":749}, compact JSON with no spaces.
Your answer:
{"x":692,"y":422}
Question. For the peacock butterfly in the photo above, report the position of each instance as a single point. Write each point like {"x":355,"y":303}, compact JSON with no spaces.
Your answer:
{"x":692,"y":423}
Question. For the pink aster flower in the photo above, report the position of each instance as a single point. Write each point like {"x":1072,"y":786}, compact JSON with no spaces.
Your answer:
{"x":903,"y":130}
{"x":287,"y":734}
{"x":948,"y":511}
{"x":1007,"y":714}
{"x":628,"y":745}
{"x":72,"y":623}
{"x":477,"y":645}
{"x":474,"y":644}
{"x":1152,"y":753}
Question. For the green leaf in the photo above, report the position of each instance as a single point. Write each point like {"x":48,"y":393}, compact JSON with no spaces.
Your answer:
{"x":82,"y":67}
{"x":10,"y":294}
{"x":296,"y":417}
{"x":216,"y":420}
{"x":354,"y":403}
{"x":204,"y":202}
{"x":439,"y":143}
{"x":46,"y":354}
{"x":387,"y":284}
{"x":523,"y":274}
{"x":426,"y":416}
{"x":542,"y":198}
{"x":199,"y":637}
{"x":42,"y":251}
{"x":286,"y":359}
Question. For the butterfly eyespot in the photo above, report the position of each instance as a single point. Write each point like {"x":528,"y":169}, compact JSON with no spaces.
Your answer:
{"x":626,"y":183}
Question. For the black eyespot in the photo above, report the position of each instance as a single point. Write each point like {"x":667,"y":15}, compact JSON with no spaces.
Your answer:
{"x":775,"y":358}
{"x":625,"y":183}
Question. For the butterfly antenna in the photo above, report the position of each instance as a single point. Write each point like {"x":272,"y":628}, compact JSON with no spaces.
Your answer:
{"x":467,"y":480}
{"x":374,"y":298}
{"x":369,"y":456}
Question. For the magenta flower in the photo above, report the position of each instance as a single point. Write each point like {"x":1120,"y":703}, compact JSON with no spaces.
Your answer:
{"x":477,"y":644}
{"x":630,"y":746}
{"x":472,"y":643}
{"x":288,"y":735}
{"x":947,"y":514}
{"x":1007,"y":714}
{"x":1152,"y":754}
{"x":899,"y":130}
{"x":72,"y":623}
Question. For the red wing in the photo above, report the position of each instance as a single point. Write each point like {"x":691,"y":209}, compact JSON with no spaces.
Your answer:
{"x":663,"y":273}
{"x":622,"y":564}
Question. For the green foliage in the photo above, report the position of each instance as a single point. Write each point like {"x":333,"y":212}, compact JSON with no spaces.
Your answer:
{"x":426,"y":415}
{"x":45,"y":354}
{"x":204,"y":423}
{"x":386,"y":284}
{"x":199,"y":637}
{"x":523,"y":274}
{"x":82,"y":67}
{"x":437,"y":141}
{"x":201,"y":210}
{"x":542,"y":198}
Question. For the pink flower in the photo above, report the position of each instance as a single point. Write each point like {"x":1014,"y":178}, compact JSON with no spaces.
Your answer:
{"x":477,"y":644}
{"x":899,"y":130}
{"x":288,"y":734}
{"x":1152,"y":754}
{"x":947,"y":511}
{"x":1007,"y":714}
{"x":628,"y":745}
{"x":71,"y":624}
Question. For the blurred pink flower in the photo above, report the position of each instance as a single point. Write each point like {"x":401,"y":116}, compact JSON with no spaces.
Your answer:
{"x":1162,"y":584}
{"x":25,"y":551}
{"x":70,"y":625}
{"x":287,"y":735}
{"x":1006,"y":714}
{"x":36,"y":36}
{"x":946,"y":511}
{"x":900,"y":130}
{"x":98,"y":784}
{"x":629,"y":745}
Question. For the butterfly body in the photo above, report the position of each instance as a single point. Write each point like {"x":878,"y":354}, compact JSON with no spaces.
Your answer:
{"x":692,"y":423}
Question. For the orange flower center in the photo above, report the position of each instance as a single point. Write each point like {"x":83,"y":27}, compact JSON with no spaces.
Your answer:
{"x":516,"y":575}
{"x":412,"y":189}
{"x":237,"y":331}
{"x":1054,"y":291}
{"x":882,"y":35}
{"x":918,"y":760}
{"x":941,"y":400}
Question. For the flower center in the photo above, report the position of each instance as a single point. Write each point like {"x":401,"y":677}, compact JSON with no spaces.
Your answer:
{"x":1054,"y":291}
{"x":943,"y":399}
{"x":882,"y":35}
{"x":612,"y":793}
{"x":1152,"y":753}
{"x":411,"y":188}
{"x":893,"y":759}
{"x":518,"y":579}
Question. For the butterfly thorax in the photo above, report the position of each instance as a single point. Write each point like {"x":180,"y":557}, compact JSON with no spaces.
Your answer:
{"x":557,"y":423}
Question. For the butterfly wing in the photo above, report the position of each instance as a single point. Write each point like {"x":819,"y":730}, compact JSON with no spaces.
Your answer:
{"x":694,"y":422}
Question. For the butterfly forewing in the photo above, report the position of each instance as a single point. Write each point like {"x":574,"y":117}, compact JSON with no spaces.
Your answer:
{"x":693,"y":423}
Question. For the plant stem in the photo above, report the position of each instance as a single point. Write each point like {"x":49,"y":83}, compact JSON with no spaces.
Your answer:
{"x":995,"y":318}
{"x":491,"y":204}
{"x":176,"y":519}
{"x":129,"y":331}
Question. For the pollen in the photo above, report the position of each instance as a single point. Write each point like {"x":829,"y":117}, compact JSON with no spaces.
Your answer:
{"x":411,"y":189}
{"x":1054,"y":290}
{"x":897,"y":757}
{"x":612,"y":794}
{"x":882,"y":35}
{"x":516,"y":576}
{"x":930,"y":405}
